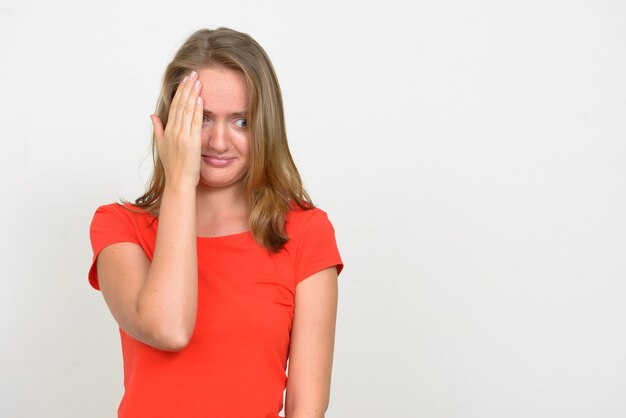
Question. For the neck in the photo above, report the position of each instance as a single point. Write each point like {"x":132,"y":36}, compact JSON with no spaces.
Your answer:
{"x":220,"y":211}
{"x":216,"y":203}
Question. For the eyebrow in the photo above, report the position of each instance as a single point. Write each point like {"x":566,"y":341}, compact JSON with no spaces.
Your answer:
{"x":235,"y":114}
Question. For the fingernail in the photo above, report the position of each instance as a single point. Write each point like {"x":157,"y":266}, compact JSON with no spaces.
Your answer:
{"x":184,"y":80}
{"x":193,"y":74}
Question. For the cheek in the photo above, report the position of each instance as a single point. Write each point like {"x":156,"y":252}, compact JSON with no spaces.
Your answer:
{"x":204,"y":133}
{"x":242,"y":142}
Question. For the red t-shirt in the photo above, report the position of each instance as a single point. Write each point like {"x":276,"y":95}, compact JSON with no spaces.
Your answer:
{"x":234,"y":365}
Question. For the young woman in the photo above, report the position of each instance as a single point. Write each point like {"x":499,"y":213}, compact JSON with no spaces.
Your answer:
{"x":223,"y":269}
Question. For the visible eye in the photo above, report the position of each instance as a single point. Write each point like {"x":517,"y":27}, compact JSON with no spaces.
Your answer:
{"x":205,"y":120}
{"x":241,"y":123}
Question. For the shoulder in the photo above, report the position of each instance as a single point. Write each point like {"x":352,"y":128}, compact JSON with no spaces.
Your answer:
{"x":309,"y":227}
{"x":121,"y":215}
{"x":312,"y":244}
{"x":113,"y":223}
{"x":299,"y":220}
{"x":123,"y":210}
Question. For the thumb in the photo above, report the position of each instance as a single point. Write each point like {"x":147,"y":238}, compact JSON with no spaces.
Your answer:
{"x":157,"y":127}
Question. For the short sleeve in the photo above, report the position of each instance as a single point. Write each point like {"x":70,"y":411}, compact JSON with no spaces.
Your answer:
{"x":317,"y":247}
{"x":108,"y":226}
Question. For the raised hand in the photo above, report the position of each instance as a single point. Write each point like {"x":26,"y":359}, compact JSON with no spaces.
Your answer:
{"x":179,"y":144}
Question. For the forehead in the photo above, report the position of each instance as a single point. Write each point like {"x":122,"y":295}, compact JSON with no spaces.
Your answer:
{"x":223,"y":90}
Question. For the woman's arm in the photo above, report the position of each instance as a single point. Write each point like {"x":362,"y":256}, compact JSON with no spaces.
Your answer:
{"x":311,"y":347}
{"x":156,"y":303}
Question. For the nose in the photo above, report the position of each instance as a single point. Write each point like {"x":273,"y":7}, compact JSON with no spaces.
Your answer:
{"x":217,"y":138}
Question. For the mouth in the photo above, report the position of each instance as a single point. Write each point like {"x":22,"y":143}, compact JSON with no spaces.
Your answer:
{"x":216,"y":161}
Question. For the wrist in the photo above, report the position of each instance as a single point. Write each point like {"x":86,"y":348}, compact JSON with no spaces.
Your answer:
{"x":180,"y":187}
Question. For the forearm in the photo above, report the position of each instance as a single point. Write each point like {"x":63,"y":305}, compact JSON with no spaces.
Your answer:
{"x":167,"y":302}
{"x":309,"y":408}
{"x":305,"y":414}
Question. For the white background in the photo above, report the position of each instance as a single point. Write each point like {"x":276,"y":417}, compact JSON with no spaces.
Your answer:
{"x":471,"y":155}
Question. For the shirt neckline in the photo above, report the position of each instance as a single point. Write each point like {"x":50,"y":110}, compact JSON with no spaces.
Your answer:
{"x":237,"y":235}
{"x":228,"y":237}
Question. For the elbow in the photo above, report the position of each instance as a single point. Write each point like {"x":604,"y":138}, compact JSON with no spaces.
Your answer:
{"x":169,"y":336}
{"x":166,"y":333}
{"x":172,"y":341}
{"x":176,"y":344}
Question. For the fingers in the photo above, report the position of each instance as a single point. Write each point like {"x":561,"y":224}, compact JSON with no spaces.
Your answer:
{"x":189,"y":110}
{"x":196,"y":123}
{"x":184,"y":108}
{"x":179,"y":143}
{"x":171,"y":117}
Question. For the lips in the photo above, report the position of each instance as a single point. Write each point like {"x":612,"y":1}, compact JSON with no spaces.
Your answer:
{"x":216,"y":161}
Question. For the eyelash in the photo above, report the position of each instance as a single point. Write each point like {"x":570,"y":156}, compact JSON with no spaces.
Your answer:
{"x":205,"y":120}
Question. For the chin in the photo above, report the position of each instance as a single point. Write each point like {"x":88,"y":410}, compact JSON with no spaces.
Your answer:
{"x":220,"y":183}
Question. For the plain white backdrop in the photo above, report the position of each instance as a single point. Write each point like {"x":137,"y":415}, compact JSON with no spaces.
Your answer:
{"x":471,"y":155}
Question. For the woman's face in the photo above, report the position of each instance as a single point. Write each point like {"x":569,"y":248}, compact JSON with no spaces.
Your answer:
{"x":225,"y":132}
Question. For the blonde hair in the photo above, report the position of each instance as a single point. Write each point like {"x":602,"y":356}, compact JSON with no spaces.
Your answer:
{"x":272,"y":186}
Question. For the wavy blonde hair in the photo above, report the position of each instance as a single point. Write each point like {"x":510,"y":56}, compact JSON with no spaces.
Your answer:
{"x":272,"y":186}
